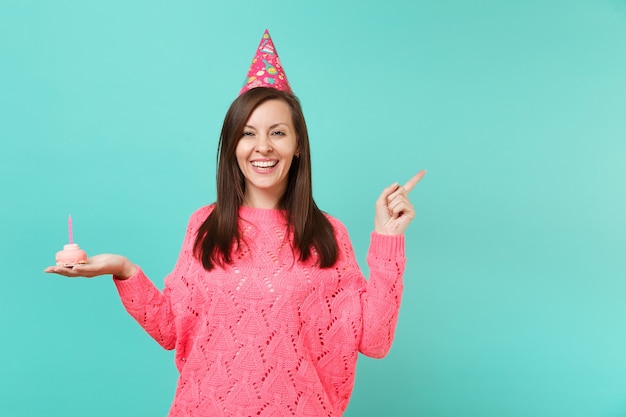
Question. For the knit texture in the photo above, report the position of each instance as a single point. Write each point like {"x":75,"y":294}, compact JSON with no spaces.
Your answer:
{"x":270,"y":335}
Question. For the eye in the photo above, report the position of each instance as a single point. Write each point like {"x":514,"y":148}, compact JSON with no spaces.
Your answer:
{"x":247,"y":133}
{"x":278,"y":133}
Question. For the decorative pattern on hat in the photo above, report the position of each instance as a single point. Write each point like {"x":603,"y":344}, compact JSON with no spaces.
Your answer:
{"x":266,"y":69}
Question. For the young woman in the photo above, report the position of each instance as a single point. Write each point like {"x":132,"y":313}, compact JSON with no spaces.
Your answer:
{"x":266,"y":306}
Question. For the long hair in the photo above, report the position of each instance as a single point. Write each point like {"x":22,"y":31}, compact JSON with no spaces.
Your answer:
{"x":219,"y":235}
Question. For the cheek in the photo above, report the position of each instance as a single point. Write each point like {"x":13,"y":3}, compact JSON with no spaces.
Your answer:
{"x":241,"y":154}
{"x":294,"y":147}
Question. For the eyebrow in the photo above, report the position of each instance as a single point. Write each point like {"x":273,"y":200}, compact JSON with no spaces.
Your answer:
{"x":271,"y":127}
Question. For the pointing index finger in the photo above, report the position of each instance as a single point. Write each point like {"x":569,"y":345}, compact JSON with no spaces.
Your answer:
{"x":413,"y":181}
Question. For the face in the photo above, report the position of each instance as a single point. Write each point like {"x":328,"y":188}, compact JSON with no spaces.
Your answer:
{"x":265,"y":152}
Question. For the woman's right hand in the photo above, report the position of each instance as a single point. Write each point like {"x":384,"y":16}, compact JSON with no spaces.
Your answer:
{"x":97,"y":265}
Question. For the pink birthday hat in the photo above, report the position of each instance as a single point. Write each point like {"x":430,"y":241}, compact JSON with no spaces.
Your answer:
{"x":266,"y":70}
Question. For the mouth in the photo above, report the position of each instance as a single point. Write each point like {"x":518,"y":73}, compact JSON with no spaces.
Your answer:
{"x":264,"y":164}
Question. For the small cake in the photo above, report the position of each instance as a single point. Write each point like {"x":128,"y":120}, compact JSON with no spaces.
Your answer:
{"x":71,"y":255}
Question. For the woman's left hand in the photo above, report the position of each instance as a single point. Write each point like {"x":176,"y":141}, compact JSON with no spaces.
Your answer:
{"x":394,"y":211}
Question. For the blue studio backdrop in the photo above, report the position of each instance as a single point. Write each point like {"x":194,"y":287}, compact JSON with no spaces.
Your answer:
{"x":515,"y":283}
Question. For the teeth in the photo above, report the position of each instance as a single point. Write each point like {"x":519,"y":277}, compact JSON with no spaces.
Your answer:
{"x":264,"y":164}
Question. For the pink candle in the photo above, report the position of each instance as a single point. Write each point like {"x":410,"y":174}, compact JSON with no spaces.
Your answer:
{"x":69,"y":227}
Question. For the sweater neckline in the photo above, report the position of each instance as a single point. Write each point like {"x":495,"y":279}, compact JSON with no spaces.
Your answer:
{"x":253,"y":214}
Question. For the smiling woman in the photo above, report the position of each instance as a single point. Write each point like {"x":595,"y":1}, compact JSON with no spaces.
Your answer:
{"x":265,"y":153}
{"x":266,"y":307}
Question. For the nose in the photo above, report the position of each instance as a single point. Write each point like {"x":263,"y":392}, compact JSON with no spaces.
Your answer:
{"x":263,"y":144}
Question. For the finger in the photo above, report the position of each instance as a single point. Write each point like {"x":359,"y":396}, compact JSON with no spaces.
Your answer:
{"x":66,"y":271}
{"x":395,"y":202}
{"x":397,"y":194}
{"x":89,"y":270}
{"x":383,"y":199}
{"x":82,"y":270}
{"x":402,"y":207}
{"x":395,"y":197}
{"x":56,"y":269}
{"x":413,"y":181}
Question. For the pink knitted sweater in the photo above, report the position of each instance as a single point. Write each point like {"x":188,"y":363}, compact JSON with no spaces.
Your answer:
{"x":269,"y":335}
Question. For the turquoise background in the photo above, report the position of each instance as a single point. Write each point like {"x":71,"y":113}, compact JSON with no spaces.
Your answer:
{"x":515,"y":285}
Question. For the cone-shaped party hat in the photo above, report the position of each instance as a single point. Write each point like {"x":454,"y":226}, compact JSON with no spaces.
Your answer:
{"x":266,"y":70}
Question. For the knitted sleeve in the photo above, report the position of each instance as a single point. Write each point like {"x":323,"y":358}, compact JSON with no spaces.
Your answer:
{"x":151,"y":308}
{"x":381,"y":299}
{"x":381,"y":293}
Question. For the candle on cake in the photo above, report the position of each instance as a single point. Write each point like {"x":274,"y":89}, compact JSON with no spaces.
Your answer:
{"x":71,"y":254}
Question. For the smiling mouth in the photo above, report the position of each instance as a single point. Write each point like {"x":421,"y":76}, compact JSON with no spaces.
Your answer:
{"x":264,"y":164}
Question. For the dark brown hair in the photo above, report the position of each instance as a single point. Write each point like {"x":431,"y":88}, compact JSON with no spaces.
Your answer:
{"x":219,"y":235}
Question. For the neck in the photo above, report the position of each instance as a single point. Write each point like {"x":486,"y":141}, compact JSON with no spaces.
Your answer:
{"x":261,"y":200}
{"x":260,"y":203}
